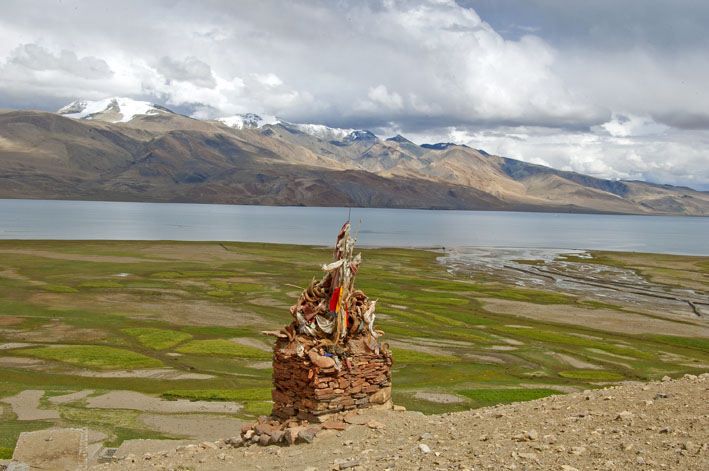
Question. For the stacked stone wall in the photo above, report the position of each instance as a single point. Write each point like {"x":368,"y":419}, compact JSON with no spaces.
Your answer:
{"x":304,"y":390}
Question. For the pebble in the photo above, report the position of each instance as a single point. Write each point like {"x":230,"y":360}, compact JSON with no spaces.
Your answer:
{"x":307,"y":435}
{"x":424,"y":448}
{"x":375,"y":425}
{"x":348,"y":464}
{"x":625,"y":415}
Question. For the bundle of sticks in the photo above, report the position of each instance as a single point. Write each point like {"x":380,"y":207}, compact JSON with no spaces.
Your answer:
{"x":331,"y":310}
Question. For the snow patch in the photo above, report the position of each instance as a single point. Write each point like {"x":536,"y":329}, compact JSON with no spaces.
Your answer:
{"x":323,"y":132}
{"x":248,"y":120}
{"x":126,"y":108}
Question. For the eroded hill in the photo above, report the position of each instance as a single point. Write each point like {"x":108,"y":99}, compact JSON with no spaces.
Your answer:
{"x":166,"y":157}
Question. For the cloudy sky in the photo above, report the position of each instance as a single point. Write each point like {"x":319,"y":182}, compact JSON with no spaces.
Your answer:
{"x":607,"y":88}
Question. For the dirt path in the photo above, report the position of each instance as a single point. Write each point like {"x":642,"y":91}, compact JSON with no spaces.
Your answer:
{"x":656,"y":426}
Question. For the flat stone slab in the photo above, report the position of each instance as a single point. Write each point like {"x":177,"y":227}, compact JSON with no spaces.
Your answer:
{"x":53,"y":450}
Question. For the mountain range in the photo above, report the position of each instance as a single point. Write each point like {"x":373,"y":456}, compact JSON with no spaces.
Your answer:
{"x":120,"y":149}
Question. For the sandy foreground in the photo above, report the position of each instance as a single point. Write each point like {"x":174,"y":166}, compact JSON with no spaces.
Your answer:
{"x":655,"y":426}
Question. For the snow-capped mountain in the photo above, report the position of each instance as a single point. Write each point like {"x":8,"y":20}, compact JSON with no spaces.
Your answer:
{"x":247,"y":120}
{"x":322,"y":132}
{"x":163,"y":156}
{"x":122,"y":110}
{"x":327,"y":133}
{"x":113,"y":110}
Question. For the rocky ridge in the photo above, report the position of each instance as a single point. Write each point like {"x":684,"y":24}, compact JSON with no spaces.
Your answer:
{"x":121,"y":150}
{"x":662,"y":425}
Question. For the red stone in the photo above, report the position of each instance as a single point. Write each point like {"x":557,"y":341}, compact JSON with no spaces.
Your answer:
{"x":334,"y":425}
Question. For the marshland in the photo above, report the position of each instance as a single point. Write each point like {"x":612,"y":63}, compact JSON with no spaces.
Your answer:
{"x":158,"y":339}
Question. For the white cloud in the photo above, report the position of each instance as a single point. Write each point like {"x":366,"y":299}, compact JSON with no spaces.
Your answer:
{"x":36,"y":58}
{"x":611,"y":103}
{"x":600,"y":154}
{"x":631,"y":125}
{"x":380,"y":98}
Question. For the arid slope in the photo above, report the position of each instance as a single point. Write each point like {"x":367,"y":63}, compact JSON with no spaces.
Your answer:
{"x":167,"y":157}
{"x":659,"y":425}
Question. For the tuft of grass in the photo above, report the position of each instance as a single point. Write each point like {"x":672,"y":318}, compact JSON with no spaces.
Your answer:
{"x":218,"y":331}
{"x":446,"y":300}
{"x":220,"y":294}
{"x":246,"y":287}
{"x":194,"y":274}
{"x":488,"y":397}
{"x":557,"y":337}
{"x":157,"y":339}
{"x":222,"y":347}
{"x":220,"y":285}
{"x":92,"y":356}
{"x":401,"y":355}
{"x":532,"y":296}
{"x":689,"y":342}
{"x":59,"y":289}
{"x":5,"y":453}
{"x":166,"y":274}
{"x":258,"y":408}
{"x":100,"y":284}
{"x":465,"y":335}
{"x":231,"y":395}
{"x":590,"y":375}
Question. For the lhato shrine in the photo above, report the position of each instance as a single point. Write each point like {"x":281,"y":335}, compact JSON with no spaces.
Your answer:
{"x":329,"y":359}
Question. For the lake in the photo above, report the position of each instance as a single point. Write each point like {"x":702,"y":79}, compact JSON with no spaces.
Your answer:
{"x":45,"y":219}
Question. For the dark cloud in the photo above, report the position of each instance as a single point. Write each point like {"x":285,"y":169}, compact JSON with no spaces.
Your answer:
{"x":660,"y":25}
{"x":190,"y":69}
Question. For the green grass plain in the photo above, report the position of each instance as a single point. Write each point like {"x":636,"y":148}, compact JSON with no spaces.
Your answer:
{"x":125,"y":305}
{"x":157,"y":339}
{"x":92,"y":356}
{"x":222,"y":347}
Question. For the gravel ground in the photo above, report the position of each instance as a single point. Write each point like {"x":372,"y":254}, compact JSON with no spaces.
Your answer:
{"x":663,"y":425}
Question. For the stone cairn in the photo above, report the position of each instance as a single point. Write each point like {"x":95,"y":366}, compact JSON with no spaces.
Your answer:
{"x":329,"y":360}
